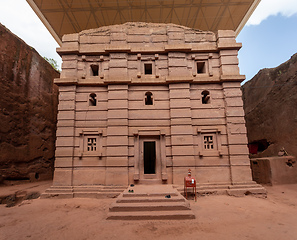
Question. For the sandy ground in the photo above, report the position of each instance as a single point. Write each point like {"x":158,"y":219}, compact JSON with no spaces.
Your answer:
{"x":217,"y":217}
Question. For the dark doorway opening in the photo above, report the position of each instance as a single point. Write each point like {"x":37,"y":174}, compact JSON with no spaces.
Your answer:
{"x":258,"y":146}
{"x":149,"y":157}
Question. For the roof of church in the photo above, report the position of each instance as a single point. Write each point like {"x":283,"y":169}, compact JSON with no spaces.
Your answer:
{"x":73,"y":16}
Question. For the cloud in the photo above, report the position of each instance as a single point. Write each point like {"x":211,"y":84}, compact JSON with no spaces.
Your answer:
{"x":19,"y":18}
{"x":268,"y":8}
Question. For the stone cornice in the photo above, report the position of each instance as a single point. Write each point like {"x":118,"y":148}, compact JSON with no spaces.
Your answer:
{"x":147,"y":81}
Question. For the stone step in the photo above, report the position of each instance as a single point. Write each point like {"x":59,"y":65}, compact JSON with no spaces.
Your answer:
{"x":245,"y":186}
{"x":56,"y":195}
{"x":83,"y":192}
{"x":149,"y":206}
{"x":152,"y":215}
{"x":61,"y":187}
{"x":247,"y":191}
{"x":97,"y":190}
{"x":59,"y":190}
{"x":100,"y":187}
{"x":135,"y":194}
{"x":95,"y":194}
{"x":150,"y":199}
{"x":204,"y":187}
{"x":212,"y":191}
{"x":147,"y":182}
{"x":150,"y":202}
{"x":223,"y":189}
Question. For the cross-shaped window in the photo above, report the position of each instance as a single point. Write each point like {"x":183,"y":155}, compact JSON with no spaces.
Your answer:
{"x":208,"y":142}
{"x":91,"y":144}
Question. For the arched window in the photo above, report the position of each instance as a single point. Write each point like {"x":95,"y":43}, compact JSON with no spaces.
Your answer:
{"x":92,"y":99}
{"x":148,"y":98}
{"x":205,"y":97}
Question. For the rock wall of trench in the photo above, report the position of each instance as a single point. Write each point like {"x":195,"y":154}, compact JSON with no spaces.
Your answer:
{"x":270,"y":104}
{"x":28,"y":110}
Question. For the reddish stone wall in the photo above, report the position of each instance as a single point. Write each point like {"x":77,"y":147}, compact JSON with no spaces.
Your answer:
{"x":28,"y":108}
{"x":274,"y":170}
{"x":100,"y":139}
{"x":270,"y":102}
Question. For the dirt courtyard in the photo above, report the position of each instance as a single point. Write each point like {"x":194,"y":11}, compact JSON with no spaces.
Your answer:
{"x":217,"y":217}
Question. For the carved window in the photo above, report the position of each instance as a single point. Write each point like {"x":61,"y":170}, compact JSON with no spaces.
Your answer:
{"x":148,"y":98}
{"x":91,"y":146}
{"x":205,"y":97}
{"x":94,"y":70}
{"x":208,"y":142}
{"x":92,"y":99}
{"x":201,"y":67}
{"x":148,"y":68}
{"x":90,"y":143}
{"x":147,"y":65}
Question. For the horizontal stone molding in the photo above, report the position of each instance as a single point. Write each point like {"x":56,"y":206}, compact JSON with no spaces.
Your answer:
{"x":145,"y":80}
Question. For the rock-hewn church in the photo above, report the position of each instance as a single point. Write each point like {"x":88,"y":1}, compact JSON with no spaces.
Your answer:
{"x":141,"y":103}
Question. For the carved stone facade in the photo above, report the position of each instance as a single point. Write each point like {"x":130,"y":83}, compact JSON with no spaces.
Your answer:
{"x":143,"y":103}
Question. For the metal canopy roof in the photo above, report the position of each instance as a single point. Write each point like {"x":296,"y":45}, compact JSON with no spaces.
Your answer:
{"x":72,"y":16}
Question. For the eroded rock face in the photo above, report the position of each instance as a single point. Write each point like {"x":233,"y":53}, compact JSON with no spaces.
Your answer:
{"x":270,"y":103}
{"x":28,"y":109}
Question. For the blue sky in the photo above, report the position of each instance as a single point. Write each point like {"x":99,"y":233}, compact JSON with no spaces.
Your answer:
{"x":269,"y":38}
{"x":268,"y":44}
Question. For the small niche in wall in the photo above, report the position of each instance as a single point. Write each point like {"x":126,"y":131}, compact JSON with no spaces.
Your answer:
{"x":92,"y":99}
{"x":148,"y":98}
{"x":201,"y":67}
{"x":94,"y":70}
{"x":148,"y":68}
{"x":205,"y":97}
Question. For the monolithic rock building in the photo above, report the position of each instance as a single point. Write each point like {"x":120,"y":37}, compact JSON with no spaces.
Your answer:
{"x":142,"y":103}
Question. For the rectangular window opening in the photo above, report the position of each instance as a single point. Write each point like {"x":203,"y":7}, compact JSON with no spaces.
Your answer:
{"x":148,"y":68}
{"x":94,"y":70}
{"x":201,"y":67}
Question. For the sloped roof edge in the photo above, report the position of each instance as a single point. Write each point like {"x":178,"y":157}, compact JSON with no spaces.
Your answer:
{"x":55,"y":35}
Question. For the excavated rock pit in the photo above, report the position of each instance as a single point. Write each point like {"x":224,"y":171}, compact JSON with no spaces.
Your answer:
{"x":28,"y":110}
{"x":270,"y":102}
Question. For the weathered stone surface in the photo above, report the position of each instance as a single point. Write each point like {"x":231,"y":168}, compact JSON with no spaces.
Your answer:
{"x":149,"y":112}
{"x":270,"y":102}
{"x":274,"y":170}
{"x":28,"y":108}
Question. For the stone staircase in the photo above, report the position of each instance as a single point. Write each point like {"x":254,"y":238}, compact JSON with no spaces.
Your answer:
{"x":100,"y":191}
{"x":92,"y":191}
{"x":150,"y":202}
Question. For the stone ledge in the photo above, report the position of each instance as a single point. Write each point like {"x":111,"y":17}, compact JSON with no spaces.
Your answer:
{"x":118,"y":48}
{"x":178,"y":79}
{"x":69,"y":50}
{"x":178,"y":47}
{"x":229,"y":46}
{"x":66,"y":81}
{"x":146,"y":80}
{"x":232,"y":78}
